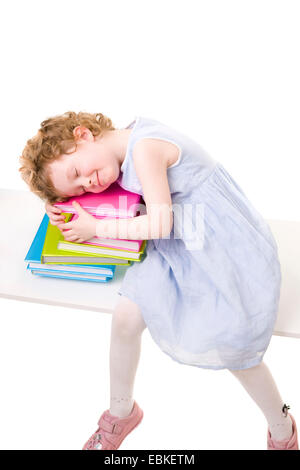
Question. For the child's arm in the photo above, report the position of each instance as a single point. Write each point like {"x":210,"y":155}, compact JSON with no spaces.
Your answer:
{"x":151,"y":169}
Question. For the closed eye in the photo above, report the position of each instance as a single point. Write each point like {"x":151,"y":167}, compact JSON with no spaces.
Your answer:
{"x":83,"y":190}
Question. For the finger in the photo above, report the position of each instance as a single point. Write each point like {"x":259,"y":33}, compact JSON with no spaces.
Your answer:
{"x":78,"y":207}
{"x":53,"y":222}
{"x":81,"y":240}
{"x":67,"y":232}
{"x":57,"y":217}
{"x":67,"y":225}
{"x":67,"y":236}
{"x":72,"y":238}
{"x":53,"y":209}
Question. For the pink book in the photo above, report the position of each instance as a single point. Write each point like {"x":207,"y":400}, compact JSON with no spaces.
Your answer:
{"x":115,"y":201}
{"x":121,"y":244}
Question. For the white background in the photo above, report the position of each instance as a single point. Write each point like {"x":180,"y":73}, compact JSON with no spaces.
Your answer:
{"x":223,"y":72}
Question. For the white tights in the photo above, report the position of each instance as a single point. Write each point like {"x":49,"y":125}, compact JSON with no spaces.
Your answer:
{"x":125,"y":347}
{"x":261,"y":387}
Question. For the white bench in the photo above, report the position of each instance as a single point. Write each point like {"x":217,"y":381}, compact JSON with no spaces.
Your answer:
{"x":21,"y":213}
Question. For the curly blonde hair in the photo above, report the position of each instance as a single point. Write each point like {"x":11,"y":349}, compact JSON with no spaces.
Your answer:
{"x":55,"y":138}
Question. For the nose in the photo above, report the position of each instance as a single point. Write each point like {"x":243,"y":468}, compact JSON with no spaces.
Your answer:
{"x":91,"y":180}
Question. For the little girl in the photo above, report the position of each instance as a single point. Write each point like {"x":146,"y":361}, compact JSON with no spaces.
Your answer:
{"x":209,"y":296}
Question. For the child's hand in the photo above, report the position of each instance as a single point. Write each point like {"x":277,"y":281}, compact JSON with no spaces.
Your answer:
{"x":54,"y":214}
{"x":80,"y":229}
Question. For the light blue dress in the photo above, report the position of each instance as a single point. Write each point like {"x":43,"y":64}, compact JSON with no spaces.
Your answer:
{"x":209,"y":295}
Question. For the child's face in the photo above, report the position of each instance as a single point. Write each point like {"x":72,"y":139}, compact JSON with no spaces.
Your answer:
{"x":93,"y":167}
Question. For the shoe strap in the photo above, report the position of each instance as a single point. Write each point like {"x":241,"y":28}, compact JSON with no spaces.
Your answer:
{"x":109,"y":427}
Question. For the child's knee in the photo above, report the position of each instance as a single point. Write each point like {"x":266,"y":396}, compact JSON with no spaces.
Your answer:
{"x":127,"y":319}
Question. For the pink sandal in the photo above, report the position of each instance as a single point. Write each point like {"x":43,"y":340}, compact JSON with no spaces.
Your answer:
{"x":112,"y":430}
{"x":289,"y":444}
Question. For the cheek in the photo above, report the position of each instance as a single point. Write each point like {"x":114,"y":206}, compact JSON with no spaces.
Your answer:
{"x":108,"y":175}
{"x":94,"y":163}
{"x":112,"y":170}
{"x":88,"y":166}
{"x":57,"y":178}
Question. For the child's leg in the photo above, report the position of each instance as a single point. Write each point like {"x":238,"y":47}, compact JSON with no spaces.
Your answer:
{"x":125,"y":346}
{"x":260,"y":385}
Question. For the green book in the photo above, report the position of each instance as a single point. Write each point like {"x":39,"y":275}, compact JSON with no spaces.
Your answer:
{"x":102,"y":250}
{"x":51,"y":254}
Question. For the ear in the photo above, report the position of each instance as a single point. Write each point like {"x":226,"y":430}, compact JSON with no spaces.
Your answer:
{"x":82,"y":133}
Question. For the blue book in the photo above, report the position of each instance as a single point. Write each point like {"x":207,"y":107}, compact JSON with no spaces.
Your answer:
{"x":35,"y":250}
{"x":34,"y":254}
{"x":72,"y":269}
{"x":89,"y":278}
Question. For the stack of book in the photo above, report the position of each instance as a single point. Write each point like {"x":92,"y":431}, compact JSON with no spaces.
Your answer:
{"x":95,"y":260}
